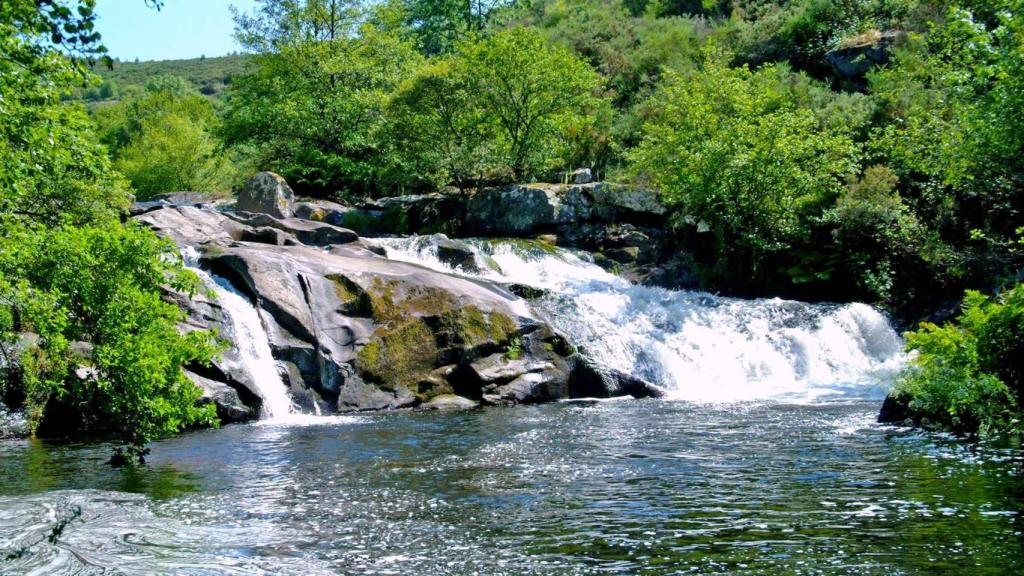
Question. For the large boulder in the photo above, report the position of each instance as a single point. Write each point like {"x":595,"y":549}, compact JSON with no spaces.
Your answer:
{"x":352,"y":330}
{"x":854,"y":57}
{"x":230,"y":407}
{"x":266,"y":193}
{"x":532,"y":209}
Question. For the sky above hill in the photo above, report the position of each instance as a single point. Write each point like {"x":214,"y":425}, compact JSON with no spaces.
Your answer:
{"x":182,"y":29}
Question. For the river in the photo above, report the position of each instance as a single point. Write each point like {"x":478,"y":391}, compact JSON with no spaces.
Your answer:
{"x":764,"y":458}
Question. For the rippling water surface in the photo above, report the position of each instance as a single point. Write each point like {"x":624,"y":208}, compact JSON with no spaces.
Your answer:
{"x":626,"y":487}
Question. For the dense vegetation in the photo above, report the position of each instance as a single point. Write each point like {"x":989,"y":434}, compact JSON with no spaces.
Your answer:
{"x":86,"y":343}
{"x":968,"y":375}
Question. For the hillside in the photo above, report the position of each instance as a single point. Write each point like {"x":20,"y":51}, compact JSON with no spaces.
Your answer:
{"x":209,"y":75}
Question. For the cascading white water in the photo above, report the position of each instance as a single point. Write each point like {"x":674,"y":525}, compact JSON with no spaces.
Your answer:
{"x":697,"y":346}
{"x":249,"y":340}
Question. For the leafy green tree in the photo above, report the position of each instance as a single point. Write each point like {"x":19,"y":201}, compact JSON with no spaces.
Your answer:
{"x":441,"y":24}
{"x":173,"y":153}
{"x":536,"y":93}
{"x":101,"y":285}
{"x":70,"y":272}
{"x":313,"y":109}
{"x":732,"y":154}
{"x":441,"y":126}
{"x":163,"y":139}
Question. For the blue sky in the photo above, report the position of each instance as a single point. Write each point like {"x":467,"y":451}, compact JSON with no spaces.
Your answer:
{"x":182,"y":29}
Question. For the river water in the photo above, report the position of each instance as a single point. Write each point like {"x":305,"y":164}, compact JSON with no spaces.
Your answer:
{"x":620,"y":487}
{"x":765,"y":458}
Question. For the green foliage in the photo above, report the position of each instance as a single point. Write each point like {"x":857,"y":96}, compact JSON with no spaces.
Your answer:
{"x":101,"y":286}
{"x":162,"y":139}
{"x":508,"y":106}
{"x":729,"y":149}
{"x":80,"y":292}
{"x":314,"y":113}
{"x":966,"y":375}
{"x":535,"y":93}
{"x":209,"y":76}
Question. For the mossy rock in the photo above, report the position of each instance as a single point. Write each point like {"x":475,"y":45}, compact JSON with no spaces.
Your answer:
{"x":399,"y":356}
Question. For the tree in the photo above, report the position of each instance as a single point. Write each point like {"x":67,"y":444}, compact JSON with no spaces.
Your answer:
{"x":314,"y":111}
{"x":444,"y":130}
{"x":439,"y":25}
{"x":162,"y":139}
{"x":536,"y":93}
{"x":70,"y":271}
{"x":276,"y":24}
{"x":730,"y":151}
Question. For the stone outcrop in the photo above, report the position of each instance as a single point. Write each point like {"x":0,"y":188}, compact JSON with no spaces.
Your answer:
{"x":855,"y":57}
{"x":266,"y":193}
{"x":352,"y":330}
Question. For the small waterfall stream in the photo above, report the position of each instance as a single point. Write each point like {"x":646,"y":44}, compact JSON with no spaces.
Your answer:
{"x":249,"y":340}
{"x":698,"y":346}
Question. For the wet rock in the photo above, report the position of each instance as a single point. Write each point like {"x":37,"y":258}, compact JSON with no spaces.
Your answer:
{"x":895,"y":411}
{"x":230,"y":407}
{"x":357,"y":395}
{"x":321,"y":211}
{"x":266,"y":193}
{"x":424,"y":214}
{"x":266,"y":235}
{"x":306,"y":231}
{"x":590,"y":380}
{"x":625,"y":255}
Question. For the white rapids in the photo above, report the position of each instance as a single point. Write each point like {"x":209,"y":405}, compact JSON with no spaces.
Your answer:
{"x":250,"y":341}
{"x":697,"y":346}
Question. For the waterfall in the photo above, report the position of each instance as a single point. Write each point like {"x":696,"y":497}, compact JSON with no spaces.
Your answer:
{"x":698,"y":346}
{"x":249,"y":342}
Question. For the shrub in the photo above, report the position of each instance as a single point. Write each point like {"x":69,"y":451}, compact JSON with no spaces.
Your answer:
{"x":956,"y":380}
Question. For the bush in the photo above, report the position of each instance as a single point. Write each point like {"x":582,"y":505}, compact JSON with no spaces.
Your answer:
{"x":101,"y":286}
{"x":966,"y":375}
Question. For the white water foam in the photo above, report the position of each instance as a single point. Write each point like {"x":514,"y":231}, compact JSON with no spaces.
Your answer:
{"x":251,"y":343}
{"x":698,"y":346}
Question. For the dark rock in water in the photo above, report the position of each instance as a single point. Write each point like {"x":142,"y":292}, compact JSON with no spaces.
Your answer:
{"x":230,"y":407}
{"x":625,"y":255}
{"x":321,"y":211}
{"x":592,"y":381}
{"x":266,"y":193}
{"x":853,"y":59}
{"x":456,"y":254}
{"x":527,"y":292}
{"x":423,"y":214}
{"x":895,"y":411}
{"x":357,"y":395}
